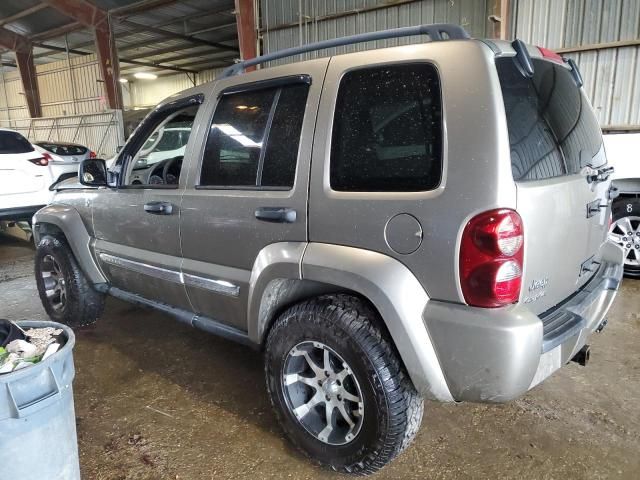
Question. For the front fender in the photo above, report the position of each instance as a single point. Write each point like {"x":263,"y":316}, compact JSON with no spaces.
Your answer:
{"x":68,"y":220}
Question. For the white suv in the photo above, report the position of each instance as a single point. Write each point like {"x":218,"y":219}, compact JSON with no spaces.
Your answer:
{"x":25,"y":177}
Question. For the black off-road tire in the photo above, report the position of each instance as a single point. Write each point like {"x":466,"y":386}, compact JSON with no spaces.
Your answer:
{"x":83,"y":304}
{"x":392,"y":407}
{"x":629,"y":207}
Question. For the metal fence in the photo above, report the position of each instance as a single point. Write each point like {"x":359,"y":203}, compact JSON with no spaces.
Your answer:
{"x":101,"y":132}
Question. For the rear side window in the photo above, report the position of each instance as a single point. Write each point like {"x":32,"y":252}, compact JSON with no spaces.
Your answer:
{"x":552,"y":129}
{"x":63,"y":149}
{"x":387,"y":130}
{"x":254,"y":138}
{"x":13,"y":142}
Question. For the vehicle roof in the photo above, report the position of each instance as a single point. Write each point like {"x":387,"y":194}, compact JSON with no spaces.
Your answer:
{"x":288,"y":69}
{"x":499,"y":47}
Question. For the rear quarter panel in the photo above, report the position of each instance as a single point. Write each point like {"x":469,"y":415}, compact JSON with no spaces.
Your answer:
{"x":476,"y":166}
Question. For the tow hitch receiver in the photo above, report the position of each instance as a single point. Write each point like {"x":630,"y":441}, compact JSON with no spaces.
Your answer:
{"x":582,"y":357}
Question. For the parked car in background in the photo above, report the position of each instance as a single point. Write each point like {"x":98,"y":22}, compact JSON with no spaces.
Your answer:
{"x":623,"y":153}
{"x":25,"y":177}
{"x":64,"y":158}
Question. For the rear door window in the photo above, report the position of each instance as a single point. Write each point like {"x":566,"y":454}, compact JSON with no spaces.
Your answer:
{"x":552,"y":129}
{"x":13,"y":142}
{"x":387,"y":131}
{"x":254,"y":138}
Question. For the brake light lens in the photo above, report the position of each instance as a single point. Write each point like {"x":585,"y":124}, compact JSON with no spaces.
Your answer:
{"x":42,"y":161}
{"x":92,"y":154}
{"x":491,"y":257}
{"x":551,"y":55}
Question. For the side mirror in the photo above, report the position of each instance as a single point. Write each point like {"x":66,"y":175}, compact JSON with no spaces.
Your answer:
{"x":93,"y":172}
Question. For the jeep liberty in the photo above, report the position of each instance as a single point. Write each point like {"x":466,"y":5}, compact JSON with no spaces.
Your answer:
{"x":420,"y":221}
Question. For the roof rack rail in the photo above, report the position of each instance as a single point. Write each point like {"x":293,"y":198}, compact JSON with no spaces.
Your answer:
{"x":436,"y":31}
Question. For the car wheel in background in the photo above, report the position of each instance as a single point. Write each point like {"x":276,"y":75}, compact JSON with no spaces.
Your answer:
{"x":625,"y":231}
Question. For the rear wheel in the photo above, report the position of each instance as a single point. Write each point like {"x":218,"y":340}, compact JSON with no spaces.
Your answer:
{"x":625,"y":231}
{"x":338,"y":386}
{"x":66,"y":294}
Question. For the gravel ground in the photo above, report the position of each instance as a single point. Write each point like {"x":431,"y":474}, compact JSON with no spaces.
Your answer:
{"x":157,"y":400}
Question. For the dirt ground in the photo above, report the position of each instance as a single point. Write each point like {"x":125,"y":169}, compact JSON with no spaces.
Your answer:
{"x":158,"y":400}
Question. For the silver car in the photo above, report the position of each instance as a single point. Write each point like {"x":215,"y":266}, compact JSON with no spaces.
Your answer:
{"x":418,"y":221}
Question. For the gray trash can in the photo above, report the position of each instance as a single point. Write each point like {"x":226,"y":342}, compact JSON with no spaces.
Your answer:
{"x":37,"y":419}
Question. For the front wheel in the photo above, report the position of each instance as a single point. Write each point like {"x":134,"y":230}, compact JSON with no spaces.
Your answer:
{"x":66,"y":294}
{"x":338,"y":387}
{"x":625,"y":231}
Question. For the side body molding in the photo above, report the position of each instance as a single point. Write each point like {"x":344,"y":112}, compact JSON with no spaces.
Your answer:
{"x":398,"y":296}
{"x":69,"y":221}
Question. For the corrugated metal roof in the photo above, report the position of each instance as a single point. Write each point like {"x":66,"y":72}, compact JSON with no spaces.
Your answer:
{"x":206,"y":20}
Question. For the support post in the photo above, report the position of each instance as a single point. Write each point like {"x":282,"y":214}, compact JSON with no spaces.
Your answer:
{"x":109,"y":66}
{"x":246,"y":21}
{"x":90,"y":15}
{"x":24,"y":60}
{"x":27,"y":70}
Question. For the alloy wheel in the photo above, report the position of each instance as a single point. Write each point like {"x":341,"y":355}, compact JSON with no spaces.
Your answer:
{"x":54,"y":282}
{"x":626,"y":232}
{"x":322,"y":393}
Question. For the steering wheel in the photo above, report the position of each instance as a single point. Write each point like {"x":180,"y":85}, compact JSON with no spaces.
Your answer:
{"x":169,"y":178}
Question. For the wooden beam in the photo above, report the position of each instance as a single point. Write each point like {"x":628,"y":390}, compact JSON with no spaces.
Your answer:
{"x":75,"y":51}
{"x":169,"y":34}
{"x":22,"y":14}
{"x":246,"y":21}
{"x":109,"y":66}
{"x":123,"y":35}
{"x":599,"y":46}
{"x":57,"y":32}
{"x":91,"y":15}
{"x":29,"y":79}
{"x":139,"y":7}
{"x":505,"y":25}
{"x":166,"y":62}
{"x":24,"y":59}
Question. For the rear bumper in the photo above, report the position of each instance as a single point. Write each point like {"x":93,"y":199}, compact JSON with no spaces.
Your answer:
{"x":496,"y":355}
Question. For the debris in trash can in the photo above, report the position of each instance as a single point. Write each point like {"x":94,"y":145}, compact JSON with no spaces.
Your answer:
{"x":9,"y":331}
{"x":25,"y":348}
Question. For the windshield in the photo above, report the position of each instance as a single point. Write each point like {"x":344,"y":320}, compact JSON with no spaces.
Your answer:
{"x":13,"y":142}
{"x":552,"y":128}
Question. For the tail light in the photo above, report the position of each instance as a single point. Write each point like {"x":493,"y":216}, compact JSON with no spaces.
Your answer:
{"x":92,"y":154}
{"x":42,"y":161}
{"x":491,"y":256}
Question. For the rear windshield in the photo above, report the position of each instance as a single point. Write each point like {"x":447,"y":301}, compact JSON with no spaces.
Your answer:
{"x":62,"y":149}
{"x":552,"y":129}
{"x":13,"y":142}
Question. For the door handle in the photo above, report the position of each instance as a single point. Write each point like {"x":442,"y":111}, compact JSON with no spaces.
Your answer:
{"x":158,"y":208}
{"x":276,"y":214}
